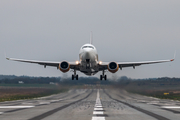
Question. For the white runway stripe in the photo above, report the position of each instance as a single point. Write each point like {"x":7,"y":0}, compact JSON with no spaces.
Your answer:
{"x":1,"y":113}
{"x":98,"y":109}
{"x":176,"y":107}
{"x":98,"y":113}
{"x":16,"y":106}
{"x":98,"y":118}
{"x":44,"y":103}
{"x":98,"y":106}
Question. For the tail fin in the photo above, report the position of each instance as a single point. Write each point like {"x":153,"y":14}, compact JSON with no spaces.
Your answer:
{"x":91,"y":38}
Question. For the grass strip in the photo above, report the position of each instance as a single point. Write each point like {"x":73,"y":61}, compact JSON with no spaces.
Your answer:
{"x":19,"y":96}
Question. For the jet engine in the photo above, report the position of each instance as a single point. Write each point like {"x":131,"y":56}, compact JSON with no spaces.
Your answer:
{"x":113,"y":67}
{"x":64,"y":66}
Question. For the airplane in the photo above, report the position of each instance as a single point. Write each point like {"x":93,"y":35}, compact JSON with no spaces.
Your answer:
{"x":89,"y":63}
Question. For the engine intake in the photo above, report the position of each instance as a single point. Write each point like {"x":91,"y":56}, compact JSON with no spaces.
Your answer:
{"x":113,"y":67}
{"x":64,"y":66}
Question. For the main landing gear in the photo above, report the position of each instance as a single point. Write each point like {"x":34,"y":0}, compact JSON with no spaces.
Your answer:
{"x":74,"y":76}
{"x":103,"y":76}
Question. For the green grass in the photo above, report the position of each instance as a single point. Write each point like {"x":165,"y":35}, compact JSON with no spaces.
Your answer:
{"x":158,"y":94}
{"x":31,"y":96}
{"x":38,"y":91}
{"x":172,"y":97}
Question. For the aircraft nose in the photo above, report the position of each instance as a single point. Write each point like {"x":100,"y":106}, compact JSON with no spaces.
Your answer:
{"x":87,"y":54}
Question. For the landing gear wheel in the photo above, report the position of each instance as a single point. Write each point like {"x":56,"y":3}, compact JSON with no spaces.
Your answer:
{"x":100,"y":77}
{"x":76,"y":77}
{"x":72,"y":77}
{"x":105,"y":77}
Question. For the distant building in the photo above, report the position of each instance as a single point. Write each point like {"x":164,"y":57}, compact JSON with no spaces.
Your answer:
{"x":52,"y":83}
{"x":20,"y":82}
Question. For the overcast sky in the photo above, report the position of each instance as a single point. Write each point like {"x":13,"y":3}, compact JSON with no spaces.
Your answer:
{"x":123,"y":30}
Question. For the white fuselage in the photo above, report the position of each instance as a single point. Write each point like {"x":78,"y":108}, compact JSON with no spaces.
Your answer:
{"x":88,"y":58}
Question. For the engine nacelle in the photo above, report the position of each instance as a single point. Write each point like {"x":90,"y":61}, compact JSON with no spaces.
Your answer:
{"x":64,"y":66}
{"x":113,"y":67}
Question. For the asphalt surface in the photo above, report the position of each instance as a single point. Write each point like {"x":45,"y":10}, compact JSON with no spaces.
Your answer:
{"x":91,"y":104}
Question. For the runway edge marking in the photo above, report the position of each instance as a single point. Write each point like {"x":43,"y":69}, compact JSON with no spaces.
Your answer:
{"x":98,"y":115}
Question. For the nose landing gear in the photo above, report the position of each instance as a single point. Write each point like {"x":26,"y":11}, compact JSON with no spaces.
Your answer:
{"x":74,"y":76}
{"x":103,"y":76}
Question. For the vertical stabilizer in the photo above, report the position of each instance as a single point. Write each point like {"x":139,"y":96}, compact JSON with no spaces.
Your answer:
{"x":91,"y":38}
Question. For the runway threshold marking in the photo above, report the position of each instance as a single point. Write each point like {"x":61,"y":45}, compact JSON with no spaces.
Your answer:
{"x":98,"y":115}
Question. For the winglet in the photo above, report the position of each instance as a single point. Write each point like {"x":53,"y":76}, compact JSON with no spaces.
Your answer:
{"x":5,"y":55}
{"x":174,"y":56}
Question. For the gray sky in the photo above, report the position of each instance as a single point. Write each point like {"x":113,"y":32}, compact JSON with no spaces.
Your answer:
{"x":123,"y":30}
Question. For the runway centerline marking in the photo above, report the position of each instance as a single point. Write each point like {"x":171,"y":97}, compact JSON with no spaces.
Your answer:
{"x":98,"y":112}
{"x":99,"y":106}
{"x":98,"y":115}
{"x":98,"y":109}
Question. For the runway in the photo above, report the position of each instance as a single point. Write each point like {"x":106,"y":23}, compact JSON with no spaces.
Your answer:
{"x":91,"y":104}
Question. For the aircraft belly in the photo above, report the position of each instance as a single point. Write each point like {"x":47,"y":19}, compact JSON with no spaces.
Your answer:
{"x":89,"y":71}
{"x":88,"y":62}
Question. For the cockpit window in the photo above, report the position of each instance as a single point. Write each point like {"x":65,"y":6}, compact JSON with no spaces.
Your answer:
{"x":87,"y":47}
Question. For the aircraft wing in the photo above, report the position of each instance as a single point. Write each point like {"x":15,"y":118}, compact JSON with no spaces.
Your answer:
{"x":103,"y":65}
{"x":133,"y":64}
{"x":73,"y":65}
